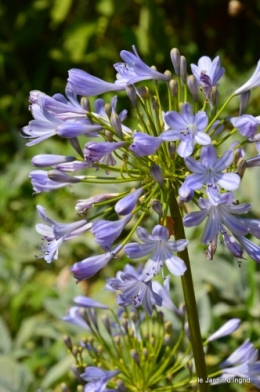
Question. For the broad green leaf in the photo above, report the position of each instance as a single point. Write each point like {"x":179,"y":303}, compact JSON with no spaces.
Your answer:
{"x":57,"y":371}
{"x":5,"y":341}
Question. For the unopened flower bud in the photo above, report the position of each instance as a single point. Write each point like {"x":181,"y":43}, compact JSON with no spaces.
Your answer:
{"x":108,"y":109}
{"x":58,"y":176}
{"x":214,"y":96}
{"x":155,"y":104}
{"x":168,"y":74}
{"x":135,"y":355}
{"x":80,"y":388}
{"x":244,"y":99}
{"x":106,"y":323}
{"x":173,"y":85}
{"x":64,"y":388}
{"x":183,"y":69}
{"x":68,"y":342}
{"x":145,"y":352}
{"x":85,"y":104}
{"x":131,"y":92}
{"x":157,"y":207}
{"x":157,"y":175}
{"x":193,"y":87}
{"x":76,"y":373}
{"x":167,"y":339}
{"x":116,"y":124}
{"x":235,"y":7}
{"x":144,"y":92}
{"x":168,"y":326}
{"x":172,"y":149}
{"x":241,"y":167}
{"x":176,"y":60}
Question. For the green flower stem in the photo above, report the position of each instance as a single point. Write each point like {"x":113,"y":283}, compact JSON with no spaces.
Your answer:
{"x":189,"y":296}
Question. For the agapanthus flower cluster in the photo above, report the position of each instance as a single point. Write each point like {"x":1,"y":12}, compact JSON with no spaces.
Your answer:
{"x":114,"y":352}
{"x":164,"y":156}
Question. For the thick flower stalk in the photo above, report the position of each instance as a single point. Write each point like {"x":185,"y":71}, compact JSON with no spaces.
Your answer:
{"x":167,"y":157}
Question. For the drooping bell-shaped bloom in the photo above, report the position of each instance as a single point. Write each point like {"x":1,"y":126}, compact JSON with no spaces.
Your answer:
{"x":94,"y":151}
{"x":106,"y":232}
{"x":226,"y":329}
{"x":252,"y":82}
{"x":242,"y":363}
{"x":211,"y":68}
{"x":126,"y":205}
{"x":186,"y":127}
{"x":209,"y":171}
{"x":246,"y":125}
{"x":84,"y":84}
{"x":84,"y":205}
{"x":160,"y":249}
{"x":46,"y":125}
{"x":144,"y":145}
{"x":45,"y":160}
{"x":41,"y":181}
{"x":74,"y":316}
{"x":164,"y":292}
{"x":134,"y":291}
{"x":90,"y":266}
{"x":220,"y":214}
{"x":97,"y":379}
{"x":59,"y":106}
{"x":54,"y":233}
{"x":134,"y":70}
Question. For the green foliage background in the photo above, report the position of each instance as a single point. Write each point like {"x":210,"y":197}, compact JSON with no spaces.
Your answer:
{"x":40,"y":40}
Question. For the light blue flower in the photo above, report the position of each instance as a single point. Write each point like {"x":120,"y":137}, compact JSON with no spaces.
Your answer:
{"x":134,"y":291}
{"x":160,"y":249}
{"x":229,"y":327}
{"x":134,"y":70}
{"x":252,"y":82}
{"x":209,"y":171}
{"x":211,"y":68}
{"x":106,"y":232}
{"x":242,"y":363}
{"x":97,"y":379}
{"x":90,"y":266}
{"x":144,"y":145}
{"x":54,"y":233}
{"x":186,"y":127}
{"x":126,"y":205}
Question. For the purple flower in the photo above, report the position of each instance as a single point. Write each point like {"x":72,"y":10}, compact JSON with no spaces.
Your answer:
{"x":45,"y":160}
{"x":226,"y":329}
{"x":242,"y":363}
{"x":186,"y":127}
{"x":74,"y":316}
{"x":158,"y":245}
{"x":84,"y":84}
{"x":58,"y":106}
{"x":88,"y":267}
{"x":144,"y":144}
{"x":97,"y":379}
{"x":96,"y":152}
{"x":126,"y":205}
{"x":218,"y":215}
{"x":86,"y":302}
{"x":253,"y":82}
{"x":83,"y":206}
{"x":164,"y":292}
{"x":134,"y":70}
{"x":42,"y":183}
{"x":211,"y":68}
{"x":209,"y":171}
{"x":246,"y":125}
{"x":135,"y":292}
{"x":55,"y":233}
{"x":46,"y":125}
{"x":106,"y":232}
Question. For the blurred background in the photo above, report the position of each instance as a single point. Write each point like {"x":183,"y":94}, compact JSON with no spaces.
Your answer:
{"x":39,"y":41}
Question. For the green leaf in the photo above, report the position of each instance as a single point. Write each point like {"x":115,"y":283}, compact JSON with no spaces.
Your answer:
{"x":13,"y":376}
{"x":5,"y":341}
{"x":60,"y":10}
